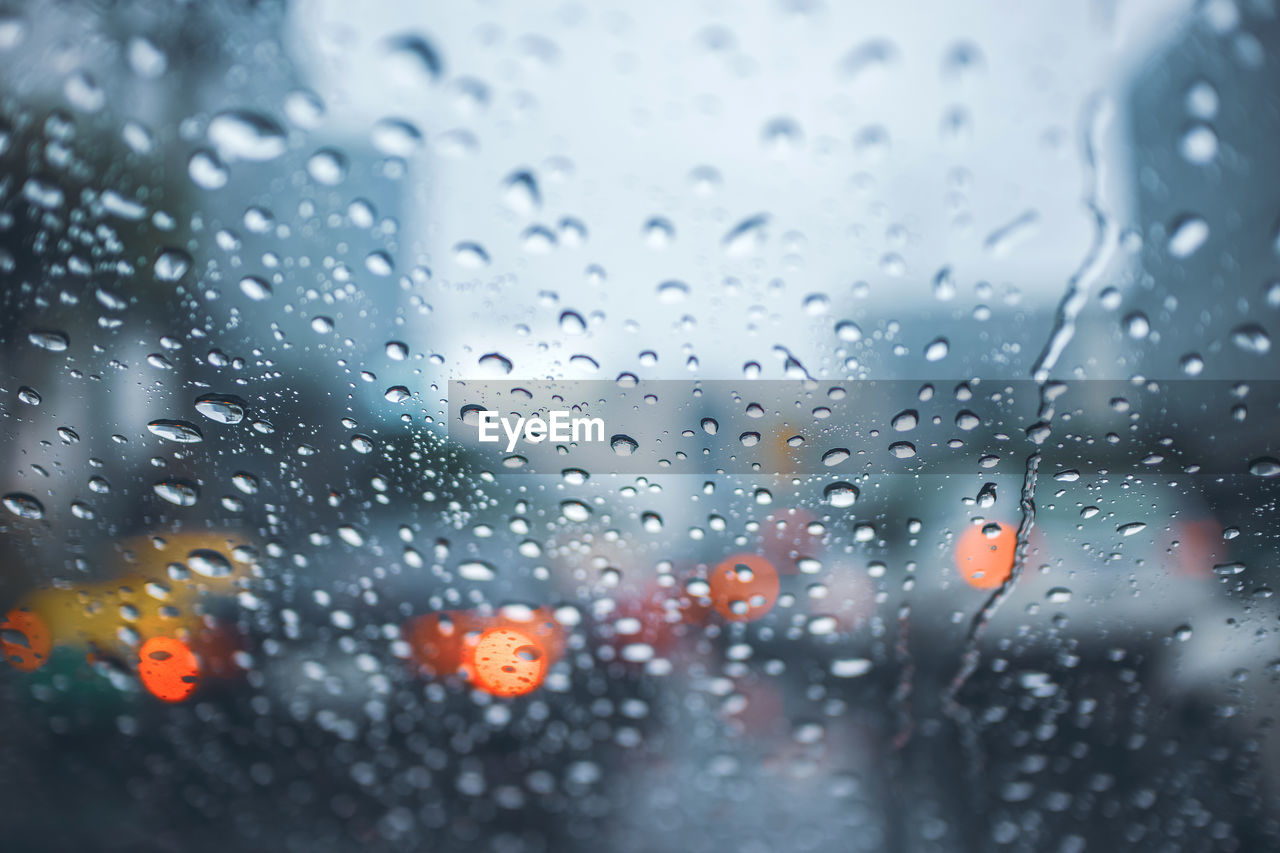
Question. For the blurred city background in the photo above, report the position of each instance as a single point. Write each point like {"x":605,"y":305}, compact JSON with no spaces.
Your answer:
{"x":258,"y":594}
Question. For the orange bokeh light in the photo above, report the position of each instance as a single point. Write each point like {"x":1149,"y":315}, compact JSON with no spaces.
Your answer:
{"x":25,"y":640}
{"x":168,"y":669}
{"x":985,"y":561}
{"x":744,"y":587}
{"x":507,"y":661}
{"x":475,"y":646}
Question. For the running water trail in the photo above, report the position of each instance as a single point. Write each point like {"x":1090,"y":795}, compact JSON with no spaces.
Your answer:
{"x":1095,"y":117}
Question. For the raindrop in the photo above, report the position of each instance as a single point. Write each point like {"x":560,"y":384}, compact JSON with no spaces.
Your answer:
{"x":623,"y":445}
{"x":906,"y":421}
{"x":180,"y":431}
{"x":327,"y":166}
{"x":395,"y":137}
{"x":1265,"y":466}
{"x":52,"y":341}
{"x":207,"y":171}
{"x":470,"y":255}
{"x":171,"y":264}
{"x":24,"y":506}
{"x":1187,"y":235}
{"x":747,"y":236}
{"x":944,"y":286}
{"x":841,"y":495}
{"x":520,"y":193}
{"x":710,"y":426}
{"x":223,"y":408}
{"x":255,"y":288}
{"x":397,"y":394}
{"x":244,"y":135}
{"x":937,"y":350}
{"x":1251,"y":338}
{"x":671,"y":292}
{"x":1137,"y":325}
{"x":571,"y":323}
{"x":575,"y":510}
{"x":413,"y":60}
{"x":496,"y":363}
{"x":848,"y":331}
{"x":178,"y":492}
{"x":475,"y":570}
{"x":379,"y":263}
{"x":1131,"y":528}
{"x":902,"y":449}
{"x":835,"y":456}
{"x":245,"y":482}
{"x":781,"y":137}
{"x":1199,"y":144}
{"x":208,"y":563}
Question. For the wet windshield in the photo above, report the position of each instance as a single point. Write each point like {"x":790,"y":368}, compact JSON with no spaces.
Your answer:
{"x":691,"y":426}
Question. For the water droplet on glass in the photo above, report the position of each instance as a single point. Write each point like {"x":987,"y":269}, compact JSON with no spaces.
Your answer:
{"x":520,"y":193}
{"x":245,"y":482}
{"x":1265,"y":466}
{"x":171,"y":264}
{"x":841,"y":495}
{"x":937,"y":350}
{"x":848,"y":331}
{"x":327,"y":167}
{"x":470,"y":255}
{"x":395,"y":137}
{"x":24,"y":506}
{"x":223,"y":408}
{"x":180,"y":431}
{"x":905,"y":421}
{"x":747,"y":236}
{"x":207,"y":171}
{"x":178,"y":492}
{"x":835,"y":456}
{"x":671,"y":292}
{"x":255,"y":288}
{"x":623,"y":445}
{"x":52,"y":341}
{"x":1251,"y":338}
{"x":571,"y":323}
{"x":413,"y":61}
{"x":495,"y":362}
{"x":1199,"y":144}
{"x":208,"y":563}
{"x":1187,"y":235}
{"x":474,"y":570}
{"x":902,"y":449}
{"x":1137,"y":325}
{"x":244,"y":135}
